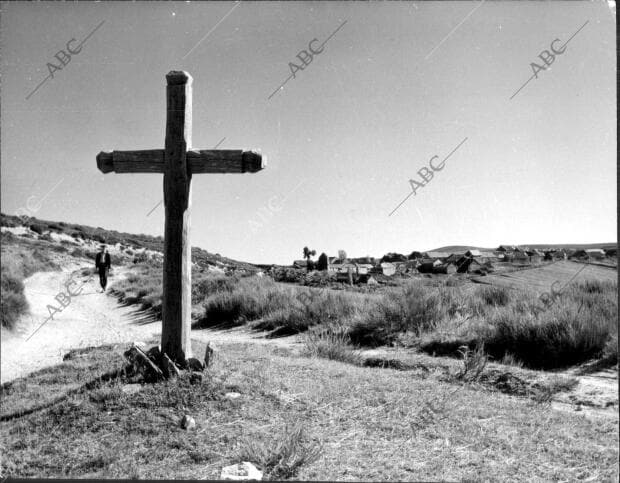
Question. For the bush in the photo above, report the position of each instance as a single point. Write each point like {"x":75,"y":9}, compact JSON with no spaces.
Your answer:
{"x":212,"y":284}
{"x":559,"y":339}
{"x":38,"y":228}
{"x":323,"y":263}
{"x":331,"y":342}
{"x":13,"y":302}
{"x":288,"y":275}
{"x":494,"y":295}
{"x":251,"y":299}
{"x":412,"y":308}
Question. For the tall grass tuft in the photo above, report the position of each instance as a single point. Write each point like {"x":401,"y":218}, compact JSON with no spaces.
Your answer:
{"x":494,"y":295}
{"x":281,"y":457}
{"x":331,"y":342}
{"x":13,"y":302}
{"x":412,"y":308}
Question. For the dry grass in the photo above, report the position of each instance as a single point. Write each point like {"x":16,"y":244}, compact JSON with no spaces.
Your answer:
{"x":331,"y":342}
{"x":279,"y":456}
{"x":513,"y":325}
{"x":361,"y":416}
{"x":474,"y":362}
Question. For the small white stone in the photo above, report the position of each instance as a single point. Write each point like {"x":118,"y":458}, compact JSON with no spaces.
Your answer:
{"x":232,"y":395}
{"x":131,"y":388}
{"x":188,"y":422}
{"x":241,"y":471}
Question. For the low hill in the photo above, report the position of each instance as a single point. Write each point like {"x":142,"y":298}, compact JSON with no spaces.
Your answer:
{"x":112,"y":237}
{"x":557,"y":246}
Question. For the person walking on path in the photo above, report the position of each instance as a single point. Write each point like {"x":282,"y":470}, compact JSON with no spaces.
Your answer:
{"x":102,"y":264}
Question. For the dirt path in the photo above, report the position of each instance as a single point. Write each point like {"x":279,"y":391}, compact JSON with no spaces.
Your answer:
{"x":91,"y":318}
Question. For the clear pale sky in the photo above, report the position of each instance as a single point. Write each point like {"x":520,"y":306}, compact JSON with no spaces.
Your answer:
{"x":342,"y":138}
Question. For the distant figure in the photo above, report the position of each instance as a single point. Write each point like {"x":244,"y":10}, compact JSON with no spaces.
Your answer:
{"x":102,"y":264}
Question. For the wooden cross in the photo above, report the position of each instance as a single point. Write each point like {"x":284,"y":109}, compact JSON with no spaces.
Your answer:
{"x":178,"y":163}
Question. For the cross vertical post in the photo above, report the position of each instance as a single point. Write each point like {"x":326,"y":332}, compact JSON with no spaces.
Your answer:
{"x":177,"y":276}
{"x":177,"y":162}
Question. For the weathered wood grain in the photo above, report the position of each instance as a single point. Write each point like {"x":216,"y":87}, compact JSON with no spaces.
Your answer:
{"x":144,"y":161}
{"x":224,"y":161}
{"x":200,"y":161}
{"x":177,"y":302}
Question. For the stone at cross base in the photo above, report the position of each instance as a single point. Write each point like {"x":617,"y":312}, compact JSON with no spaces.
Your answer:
{"x":178,"y":162}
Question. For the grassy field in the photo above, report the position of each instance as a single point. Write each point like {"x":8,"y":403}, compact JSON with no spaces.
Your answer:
{"x":436,"y":316}
{"x":541,"y":278}
{"x":358,"y":423}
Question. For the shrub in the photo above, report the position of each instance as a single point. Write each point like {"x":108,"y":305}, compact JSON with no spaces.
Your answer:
{"x":288,"y":275}
{"x":494,"y":295}
{"x":322,"y":263}
{"x":81,"y":253}
{"x":559,"y":337}
{"x":12,"y":300}
{"x":141,"y":257}
{"x":331,"y":342}
{"x":412,"y":308}
{"x":212,"y":284}
{"x":253,"y":298}
{"x":37,"y":228}
{"x":474,"y":362}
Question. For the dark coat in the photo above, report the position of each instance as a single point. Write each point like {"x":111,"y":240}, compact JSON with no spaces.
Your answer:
{"x":105,"y":264}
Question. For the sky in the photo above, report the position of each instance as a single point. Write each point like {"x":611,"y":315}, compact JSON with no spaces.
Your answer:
{"x":395,"y":85}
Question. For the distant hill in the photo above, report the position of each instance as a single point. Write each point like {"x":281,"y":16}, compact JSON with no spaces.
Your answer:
{"x":112,"y":237}
{"x":460,"y":248}
{"x":571,"y":246}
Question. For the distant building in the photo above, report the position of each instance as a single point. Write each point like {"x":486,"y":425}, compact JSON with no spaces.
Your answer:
{"x":388,"y":269}
{"x":595,"y":253}
{"x":438,"y":255}
{"x":557,"y":254}
{"x":579,"y":254}
{"x":505,"y":249}
{"x":453,"y":258}
{"x":472,"y":253}
{"x":520,"y":256}
{"x":412,"y":264}
{"x":467,"y":265}
{"x":363,"y":268}
{"x":535,"y":258}
{"x":300,"y":264}
{"x":490,"y":257}
{"x":428,"y":267}
{"x":446,"y":268}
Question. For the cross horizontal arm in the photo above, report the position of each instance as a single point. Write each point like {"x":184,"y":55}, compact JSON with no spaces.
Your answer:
{"x":225,"y":161}
{"x":205,"y":161}
{"x":146,"y":161}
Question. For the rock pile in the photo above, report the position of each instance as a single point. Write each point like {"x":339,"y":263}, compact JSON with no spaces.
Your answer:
{"x":154,"y":365}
